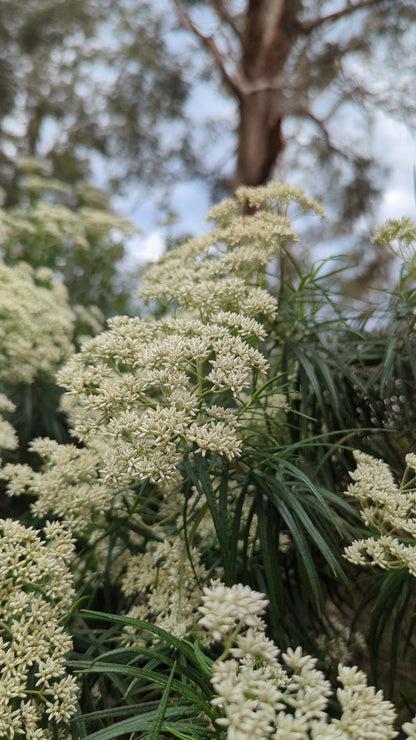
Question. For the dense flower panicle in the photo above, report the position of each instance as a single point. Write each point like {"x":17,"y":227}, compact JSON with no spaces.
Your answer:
{"x":35,"y":594}
{"x":36,"y":323}
{"x":58,"y":223}
{"x":263,"y":698}
{"x":222,"y":270}
{"x":273,"y":198}
{"x":365,"y":713}
{"x":278,"y":195}
{"x":410,"y":728}
{"x":245,"y":717}
{"x":387,"y":508}
{"x":383,"y":504}
{"x":141,"y":386}
{"x":204,"y":294}
{"x":308,"y":690}
{"x":245,"y":326}
{"x":386,"y":552}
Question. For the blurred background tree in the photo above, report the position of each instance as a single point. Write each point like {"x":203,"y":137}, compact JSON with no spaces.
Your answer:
{"x":133,"y":89}
{"x":81,"y":79}
{"x":71,"y":229}
{"x":305,"y":78}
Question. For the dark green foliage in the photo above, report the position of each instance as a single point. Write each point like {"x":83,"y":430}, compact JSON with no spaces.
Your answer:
{"x":166,"y":686}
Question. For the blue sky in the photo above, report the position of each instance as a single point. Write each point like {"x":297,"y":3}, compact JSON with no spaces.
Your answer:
{"x":394,"y":146}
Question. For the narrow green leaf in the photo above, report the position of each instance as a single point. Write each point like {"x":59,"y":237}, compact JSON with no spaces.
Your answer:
{"x":181,"y":645}
{"x":160,"y":714}
{"x":153,"y":677}
{"x":200,"y":478}
{"x":140,"y":723}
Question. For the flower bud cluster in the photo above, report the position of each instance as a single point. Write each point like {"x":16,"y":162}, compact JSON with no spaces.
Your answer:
{"x":8,"y":437}
{"x":265,"y":698}
{"x":68,"y":484}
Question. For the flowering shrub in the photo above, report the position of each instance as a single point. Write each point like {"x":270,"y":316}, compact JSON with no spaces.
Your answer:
{"x":191,"y":465}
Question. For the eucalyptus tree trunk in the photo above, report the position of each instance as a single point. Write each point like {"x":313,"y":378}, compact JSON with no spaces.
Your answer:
{"x":269,"y":61}
{"x":270,"y":31}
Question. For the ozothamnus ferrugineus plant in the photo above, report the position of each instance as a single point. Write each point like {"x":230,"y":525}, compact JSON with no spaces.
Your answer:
{"x":146,"y":391}
{"x":263,"y":694}
{"x":156,"y":389}
{"x":143,"y":397}
{"x":37,"y":696}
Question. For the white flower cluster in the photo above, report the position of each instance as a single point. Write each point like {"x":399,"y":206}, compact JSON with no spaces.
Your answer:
{"x":67,"y":486}
{"x":389,"y":509}
{"x":56,"y":223}
{"x":36,"y":323}
{"x":37,"y":697}
{"x":399,"y":234}
{"x":8,"y":437}
{"x":220,"y":270}
{"x":162,"y":581}
{"x":145,"y":386}
{"x":267,"y":699}
{"x":225,"y":609}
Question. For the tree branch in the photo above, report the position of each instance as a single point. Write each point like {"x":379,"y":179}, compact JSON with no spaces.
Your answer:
{"x":225,"y":16}
{"x":209,"y":43}
{"x":349,"y":9}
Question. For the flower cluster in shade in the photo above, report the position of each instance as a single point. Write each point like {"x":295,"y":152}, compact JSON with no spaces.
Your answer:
{"x":37,"y":696}
{"x":388,"y":509}
{"x":263,"y":694}
{"x":36,"y":324}
{"x":8,"y":437}
{"x":163,"y":582}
